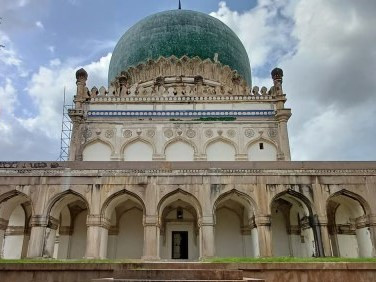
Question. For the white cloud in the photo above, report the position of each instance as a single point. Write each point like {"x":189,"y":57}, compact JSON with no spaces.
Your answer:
{"x":8,"y":98}
{"x":51,"y":49}
{"x":329,"y":70}
{"x":39,"y":24}
{"x":36,"y":137}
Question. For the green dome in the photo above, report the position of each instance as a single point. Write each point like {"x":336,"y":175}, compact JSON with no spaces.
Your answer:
{"x":179,"y":33}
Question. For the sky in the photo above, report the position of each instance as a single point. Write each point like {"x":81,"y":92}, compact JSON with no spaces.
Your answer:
{"x":325,"y":47}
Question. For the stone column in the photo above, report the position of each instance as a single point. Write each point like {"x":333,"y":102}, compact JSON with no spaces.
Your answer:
{"x":320,"y":227}
{"x":372,"y":229}
{"x":263,"y":223}
{"x":97,"y":236}
{"x":50,"y":238}
{"x":207,"y":239}
{"x":151,"y":238}
{"x":3,"y":227}
{"x":37,"y":236}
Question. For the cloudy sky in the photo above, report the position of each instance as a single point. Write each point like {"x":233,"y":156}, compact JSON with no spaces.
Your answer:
{"x":326,"y":48}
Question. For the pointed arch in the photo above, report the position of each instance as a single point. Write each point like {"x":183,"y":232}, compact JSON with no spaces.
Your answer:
{"x":299,"y":196}
{"x":179,"y":194}
{"x":112,"y":201}
{"x":57,"y":202}
{"x":252,"y":144}
{"x":95,"y":140}
{"x":10,"y":200}
{"x":223,"y":139}
{"x":136,"y":140}
{"x":356,"y":197}
{"x":178,"y":140}
{"x":241,"y":198}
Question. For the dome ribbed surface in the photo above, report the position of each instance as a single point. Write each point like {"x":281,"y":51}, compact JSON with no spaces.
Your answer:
{"x":179,"y":33}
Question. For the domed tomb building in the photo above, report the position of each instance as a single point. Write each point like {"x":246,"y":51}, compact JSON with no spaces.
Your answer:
{"x":180,"y":157}
{"x":180,"y":89}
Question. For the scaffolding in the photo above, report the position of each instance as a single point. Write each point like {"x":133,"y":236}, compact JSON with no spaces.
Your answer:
{"x":66,"y":131}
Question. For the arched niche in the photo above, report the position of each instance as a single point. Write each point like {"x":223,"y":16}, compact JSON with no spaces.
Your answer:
{"x":262,"y":150}
{"x":15,"y":214}
{"x":178,"y":214}
{"x":348,"y":225}
{"x":97,"y":151}
{"x":179,"y":151}
{"x":220,"y":151}
{"x":124,"y":211}
{"x":66,"y":232}
{"x":138,"y":151}
{"x":234,"y":222}
{"x":291,"y":226}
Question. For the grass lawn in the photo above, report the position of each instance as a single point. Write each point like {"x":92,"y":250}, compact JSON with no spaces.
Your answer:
{"x":289,"y":259}
{"x":213,"y":260}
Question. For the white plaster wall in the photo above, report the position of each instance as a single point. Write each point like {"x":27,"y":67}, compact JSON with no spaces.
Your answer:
{"x":13,"y":243}
{"x":63,"y":247}
{"x":78,"y":238}
{"x":280,"y":238}
{"x":228,"y":237}
{"x":269,"y":153}
{"x":111,"y":246}
{"x":130,"y":241}
{"x":220,"y":151}
{"x":347,"y":243}
{"x":138,"y":151}
{"x":348,"y":246}
{"x":255,"y":243}
{"x":364,"y":241}
{"x":179,"y":151}
{"x":97,"y":151}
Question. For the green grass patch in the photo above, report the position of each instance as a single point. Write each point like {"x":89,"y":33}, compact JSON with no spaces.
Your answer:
{"x":288,"y":259}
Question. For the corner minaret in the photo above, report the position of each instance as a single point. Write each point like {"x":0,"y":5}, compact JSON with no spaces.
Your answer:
{"x":282,"y":115}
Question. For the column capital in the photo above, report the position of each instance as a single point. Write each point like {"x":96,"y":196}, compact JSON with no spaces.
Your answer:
{"x":151,"y":220}
{"x":263,"y":220}
{"x":283,"y":115}
{"x":98,"y":220}
{"x":320,"y":220}
{"x":206,"y":221}
{"x":39,"y":221}
{"x":372,"y":219}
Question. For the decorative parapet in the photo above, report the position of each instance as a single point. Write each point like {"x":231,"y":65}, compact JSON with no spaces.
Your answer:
{"x":184,"y":77}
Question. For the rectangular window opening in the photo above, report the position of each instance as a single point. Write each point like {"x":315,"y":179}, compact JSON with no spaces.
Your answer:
{"x":261,"y":146}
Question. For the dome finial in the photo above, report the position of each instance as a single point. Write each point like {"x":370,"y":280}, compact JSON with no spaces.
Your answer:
{"x":179,"y":5}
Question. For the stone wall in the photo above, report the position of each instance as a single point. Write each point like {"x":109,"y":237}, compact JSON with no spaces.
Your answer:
{"x":319,"y":203}
{"x":271,"y":272}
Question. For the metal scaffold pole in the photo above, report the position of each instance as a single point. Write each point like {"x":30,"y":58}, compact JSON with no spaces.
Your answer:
{"x":66,"y":131}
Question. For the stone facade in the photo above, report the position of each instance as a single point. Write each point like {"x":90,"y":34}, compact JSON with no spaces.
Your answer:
{"x":328,"y":203}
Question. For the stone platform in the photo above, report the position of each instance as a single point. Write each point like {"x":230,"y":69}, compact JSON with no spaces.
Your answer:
{"x":268,"y":272}
{"x":177,"y":275}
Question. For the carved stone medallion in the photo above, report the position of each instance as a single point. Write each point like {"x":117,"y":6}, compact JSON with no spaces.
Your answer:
{"x":209,"y":133}
{"x":168,"y":133}
{"x":249,"y":133}
{"x":191,"y":133}
{"x":272,"y":133}
{"x":150,"y":133}
{"x":127,"y":133}
{"x":231,"y":133}
{"x":109,"y":133}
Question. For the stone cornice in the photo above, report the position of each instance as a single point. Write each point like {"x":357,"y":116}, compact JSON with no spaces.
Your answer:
{"x":198,"y":168}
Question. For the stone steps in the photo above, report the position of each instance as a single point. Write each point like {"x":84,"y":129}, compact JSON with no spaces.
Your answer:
{"x":177,"y":275}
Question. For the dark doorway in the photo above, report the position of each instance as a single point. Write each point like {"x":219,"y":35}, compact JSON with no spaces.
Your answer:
{"x":180,"y":244}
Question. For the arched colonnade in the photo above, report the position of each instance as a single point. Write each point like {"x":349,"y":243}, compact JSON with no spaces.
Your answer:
{"x":180,"y":226}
